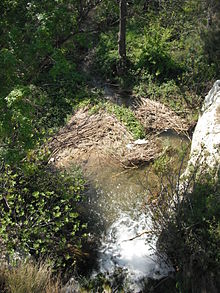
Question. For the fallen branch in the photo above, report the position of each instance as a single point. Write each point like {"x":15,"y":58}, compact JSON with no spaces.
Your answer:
{"x":157,"y":117}
{"x":137,"y":236}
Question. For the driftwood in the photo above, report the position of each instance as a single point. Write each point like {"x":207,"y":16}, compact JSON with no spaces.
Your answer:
{"x":156,"y":117}
{"x":139,"y":235}
{"x":104,"y":133}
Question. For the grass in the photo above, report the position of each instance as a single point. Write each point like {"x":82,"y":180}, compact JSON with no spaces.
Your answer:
{"x":127,"y":117}
{"x":29,"y":277}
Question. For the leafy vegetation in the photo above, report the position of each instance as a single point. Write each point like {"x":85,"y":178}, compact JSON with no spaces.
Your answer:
{"x":167,"y":53}
{"x":172,"y":56}
{"x":123,"y":114}
{"x":38,"y":210}
{"x":127,"y":117}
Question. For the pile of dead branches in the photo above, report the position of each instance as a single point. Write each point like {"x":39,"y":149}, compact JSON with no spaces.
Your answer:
{"x":141,"y":154}
{"x":85,"y":130}
{"x":103,"y":134}
{"x":156,"y":117}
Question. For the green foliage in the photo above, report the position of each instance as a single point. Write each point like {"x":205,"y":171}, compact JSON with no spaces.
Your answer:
{"x":127,"y":117}
{"x":107,"y":13}
{"x":123,"y":114}
{"x":102,"y":282}
{"x":148,"y":52}
{"x":198,"y":238}
{"x":171,"y":56}
{"x":107,"y":55}
{"x":20,"y":121}
{"x":62,"y":69}
{"x":39,"y":48}
{"x":7,"y":76}
{"x":161,"y":164}
{"x":151,"y":52}
{"x":88,"y":98}
{"x":38,"y":210}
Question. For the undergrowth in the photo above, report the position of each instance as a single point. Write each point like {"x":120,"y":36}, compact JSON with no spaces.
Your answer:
{"x":185,"y":216}
{"x":127,"y":117}
{"x":29,"y":277}
{"x":166,"y":60}
{"x":123,"y":114}
{"x":38,"y":211}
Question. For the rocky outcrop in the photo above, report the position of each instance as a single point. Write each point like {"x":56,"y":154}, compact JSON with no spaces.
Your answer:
{"x":206,"y":137}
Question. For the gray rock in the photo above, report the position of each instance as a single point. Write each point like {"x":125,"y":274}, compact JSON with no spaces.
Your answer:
{"x":205,"y":146}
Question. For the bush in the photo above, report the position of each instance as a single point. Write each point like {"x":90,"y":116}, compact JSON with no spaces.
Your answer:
{"x":106,"y":58}
{"x":38,"y":210}
{"x":148,"y":52}
{"x":152,"y":52}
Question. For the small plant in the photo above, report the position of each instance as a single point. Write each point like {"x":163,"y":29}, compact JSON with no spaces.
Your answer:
{"x":126,"y":116}
{"x":29,"y":277}
{"x":109,"y":283}
{"x":122,"y":113}
{"x":152,"y":54}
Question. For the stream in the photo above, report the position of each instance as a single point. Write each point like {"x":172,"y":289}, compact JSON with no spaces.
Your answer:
{"x":116,"y":211}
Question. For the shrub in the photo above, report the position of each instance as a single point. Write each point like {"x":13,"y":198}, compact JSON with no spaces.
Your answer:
{"x":21,"y":119}
{"x":38,"y":210}
{"x":152,"y":52}
{"x":106,"y":57}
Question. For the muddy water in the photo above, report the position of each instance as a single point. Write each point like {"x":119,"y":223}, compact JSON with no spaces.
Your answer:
{"x":116,"y":208}
{"x":114,"y":190}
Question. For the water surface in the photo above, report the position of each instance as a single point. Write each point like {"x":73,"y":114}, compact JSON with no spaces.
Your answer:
{"x":116,"y":204}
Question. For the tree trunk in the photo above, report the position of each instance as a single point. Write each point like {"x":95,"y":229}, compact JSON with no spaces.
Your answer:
{"x":122,"y":30}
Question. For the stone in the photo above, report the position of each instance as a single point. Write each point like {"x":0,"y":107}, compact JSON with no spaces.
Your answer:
{"x":205,"y":146}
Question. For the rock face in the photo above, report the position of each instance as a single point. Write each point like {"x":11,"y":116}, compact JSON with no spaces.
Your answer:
{"x":206,"y":137}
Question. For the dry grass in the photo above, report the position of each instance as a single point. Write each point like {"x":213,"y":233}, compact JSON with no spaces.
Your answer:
{"x":85,"y":131}
{"x":29,"y":277}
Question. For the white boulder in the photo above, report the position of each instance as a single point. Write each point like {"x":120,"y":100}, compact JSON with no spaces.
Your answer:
{"x":206,"y":137}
